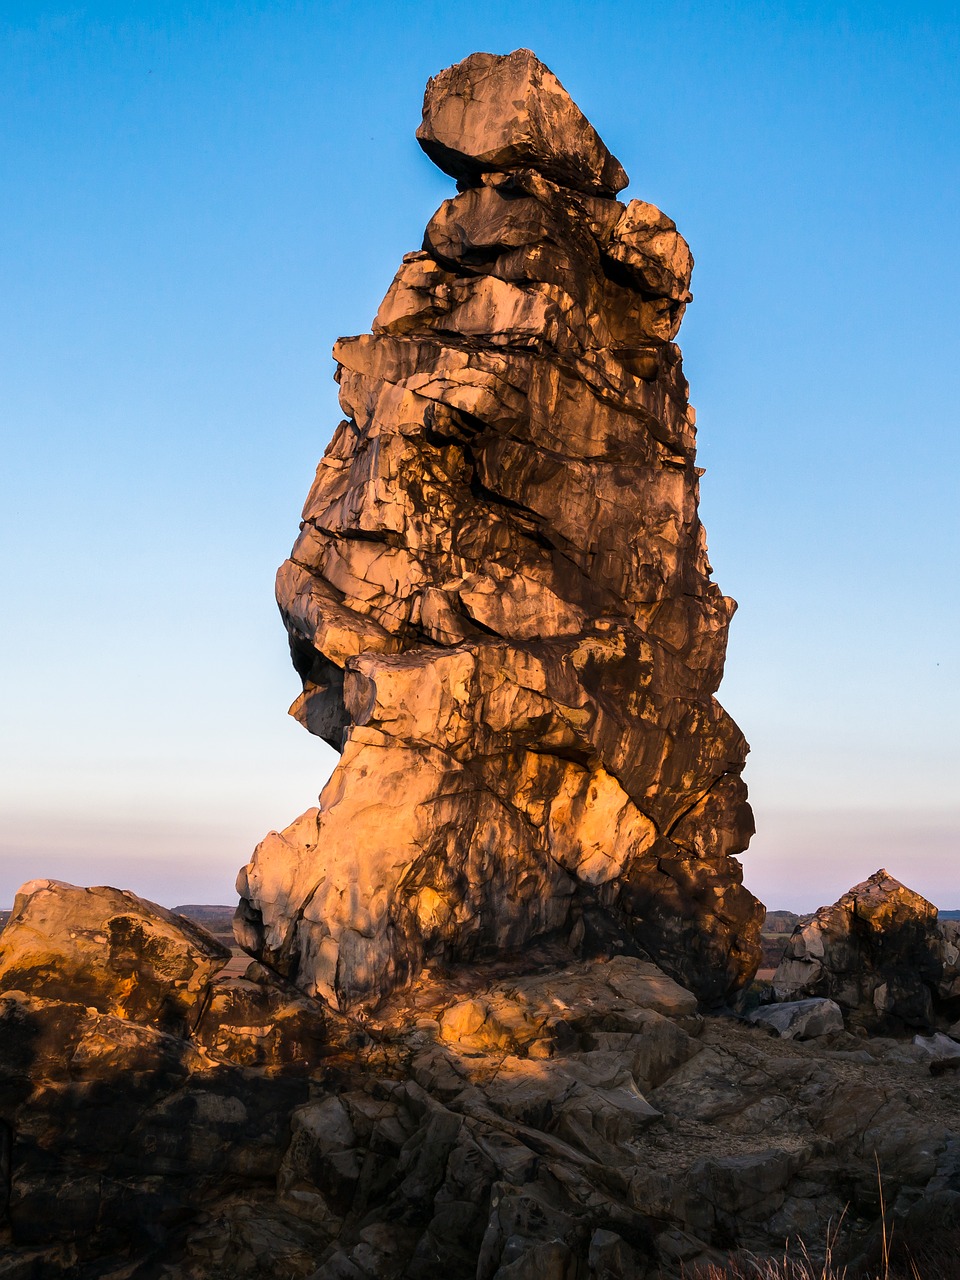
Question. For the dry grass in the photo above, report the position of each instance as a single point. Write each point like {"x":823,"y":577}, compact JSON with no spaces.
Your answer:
{"x":936,"y":1258}
{"x":798,"y":1267}
{"x":768,"y":1269}
{"x":933,"y":1260}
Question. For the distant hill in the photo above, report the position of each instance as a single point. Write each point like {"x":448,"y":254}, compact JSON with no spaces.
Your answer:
{"x":782,"y":921}
{"x":777,"y":928}
{"x":215,"y":919}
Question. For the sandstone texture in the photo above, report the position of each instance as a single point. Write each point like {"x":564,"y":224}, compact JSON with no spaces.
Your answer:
{"x":500,"y":602}
{"x":544,"y":1117}
{"x":881,"y":953}
{"x":491,"y":114}
{"x":109,"y":949}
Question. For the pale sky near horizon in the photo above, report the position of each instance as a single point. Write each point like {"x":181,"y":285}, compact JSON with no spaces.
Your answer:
{"x":199,"y":198}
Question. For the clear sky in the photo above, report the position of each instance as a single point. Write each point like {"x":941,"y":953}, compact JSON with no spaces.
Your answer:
{"x":197,"y":199}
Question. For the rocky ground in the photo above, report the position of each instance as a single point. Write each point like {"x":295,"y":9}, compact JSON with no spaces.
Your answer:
{"x":538,"y":1116}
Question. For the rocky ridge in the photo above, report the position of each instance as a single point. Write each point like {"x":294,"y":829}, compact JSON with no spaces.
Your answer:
{"x":500,"y":601}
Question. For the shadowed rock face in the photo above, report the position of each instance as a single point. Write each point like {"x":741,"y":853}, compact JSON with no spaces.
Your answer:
{"x":500,"y":601}
{"x":881,"y":953}
{"x":124,"y":960}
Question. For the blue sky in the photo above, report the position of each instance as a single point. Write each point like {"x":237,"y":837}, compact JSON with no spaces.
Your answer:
{"x":198,"y":199}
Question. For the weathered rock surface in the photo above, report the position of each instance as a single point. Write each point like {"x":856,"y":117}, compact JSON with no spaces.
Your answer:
{"x":491,"y":114}
{"x":537,"y":1117}
{"x":800,"y":1019}
{"x":500,"y":602}
{"x":501,"y":608}
{"x":135,"y":1080}
{"x":942,"y":1050}
{"x":881,"y":953}
{"x":110,"y":949}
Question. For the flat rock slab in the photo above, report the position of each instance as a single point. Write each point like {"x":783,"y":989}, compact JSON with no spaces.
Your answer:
{"x":800,"y":1019}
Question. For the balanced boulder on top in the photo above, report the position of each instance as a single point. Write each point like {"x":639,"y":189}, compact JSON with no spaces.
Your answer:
{"x":493,"y":113}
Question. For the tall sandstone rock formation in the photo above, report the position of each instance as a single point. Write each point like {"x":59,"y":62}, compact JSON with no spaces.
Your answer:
{"x":500,"y":600}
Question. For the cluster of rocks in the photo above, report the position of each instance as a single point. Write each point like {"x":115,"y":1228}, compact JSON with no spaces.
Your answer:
{"x":540,"y":1117}
{"x":500,"y":601}
{"x":537,"y":1116}
{"x":135,"y":1075}
{"x":881,"y":954}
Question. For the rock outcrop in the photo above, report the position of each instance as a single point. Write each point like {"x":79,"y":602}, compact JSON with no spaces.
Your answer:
{"x":501,"y":609}
{"x":881,"y":953}
{"x":138,"y":1082}
{"x":108,"y":949}
{"x":500,"y":602}
{"x":122,"y":960}
{"x":540,"y":1118}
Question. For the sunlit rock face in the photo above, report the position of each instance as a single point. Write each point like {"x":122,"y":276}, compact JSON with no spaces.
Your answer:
{"x":500,"y":601}
{"x":108,"y":950}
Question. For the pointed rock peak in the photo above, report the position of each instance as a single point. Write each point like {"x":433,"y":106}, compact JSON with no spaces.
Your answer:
{"x":882,"y":897}
{"x":496,"y":112}
{"x":881,"y":880}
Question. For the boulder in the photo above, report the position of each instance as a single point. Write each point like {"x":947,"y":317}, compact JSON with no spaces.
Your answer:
{"x":258,"y":1021}
{"x":493,"y":113}
{"x":799,"y":1019}
{"x":136,"y":972}
{"x":942,"y":1051}
{"x":500,"y":603}
{"x":108,"y":949}
{"x":881,"y":953}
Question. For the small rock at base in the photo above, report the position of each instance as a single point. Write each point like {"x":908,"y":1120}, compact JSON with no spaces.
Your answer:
{"x":799,"y":1019}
